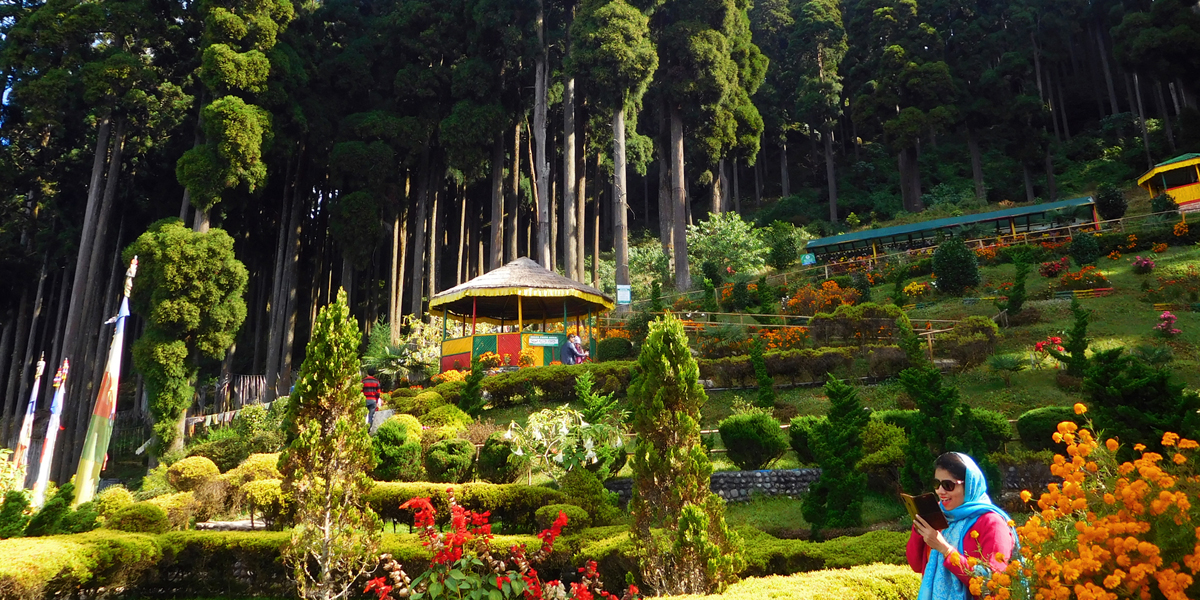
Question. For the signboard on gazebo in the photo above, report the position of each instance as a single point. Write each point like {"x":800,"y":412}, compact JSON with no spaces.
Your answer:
{"x":543,"y":340}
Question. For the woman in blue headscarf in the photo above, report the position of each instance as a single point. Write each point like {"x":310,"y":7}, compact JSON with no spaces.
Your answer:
{"x":978,"y":529}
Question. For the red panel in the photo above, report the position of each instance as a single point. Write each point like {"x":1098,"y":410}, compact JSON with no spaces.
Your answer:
{"x":509,"y":343}
{"x":463,"y":360}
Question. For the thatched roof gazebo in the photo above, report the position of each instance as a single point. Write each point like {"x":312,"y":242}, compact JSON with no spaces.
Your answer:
{"x":519,"y":293}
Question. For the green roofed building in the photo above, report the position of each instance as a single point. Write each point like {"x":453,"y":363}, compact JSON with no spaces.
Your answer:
{"x":1009,"y":221}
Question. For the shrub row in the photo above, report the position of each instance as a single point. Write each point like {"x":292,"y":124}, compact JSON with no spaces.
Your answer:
{"x":868,"y":582}
{"x":237,"y":564}
{"x":513,"y":504}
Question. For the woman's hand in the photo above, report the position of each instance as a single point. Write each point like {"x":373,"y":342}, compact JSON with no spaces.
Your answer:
{"x":933,"y":538}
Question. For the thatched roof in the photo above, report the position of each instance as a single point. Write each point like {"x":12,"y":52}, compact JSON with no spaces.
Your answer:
{"x":545,"y":295}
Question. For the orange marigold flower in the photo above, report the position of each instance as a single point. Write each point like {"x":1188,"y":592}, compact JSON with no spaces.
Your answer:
{"x":1139,"y":447}
{"x":1169,"y":438}
{"x":1026,"y":495}
{"x":1080,"y":408}
{"x":974,"y":535}
{"x":1112,"y":445}
{"x":1186,"y":444}
{"x":1179,"y":458}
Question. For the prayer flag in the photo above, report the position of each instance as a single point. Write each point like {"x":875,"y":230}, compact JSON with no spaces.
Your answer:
{"x":22,"y":454}
{"x":43,"y":478}
{"x":99,"y":433}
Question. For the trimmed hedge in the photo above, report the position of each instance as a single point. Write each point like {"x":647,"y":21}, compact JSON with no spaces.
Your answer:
{"x":513,"y":504}
{"x":140,"y":517}
{"x":578,"y":519}
{"x":1037,"y":427}
{"x":450,"y":461}
{"x":614,"y":349}
{"x":753,"y":440}
{"x":230,"y":452}
{"x":799,"y":436}
{"x":868,"y":582}
{"x":184,"y":564}
{"x":497,"y":463}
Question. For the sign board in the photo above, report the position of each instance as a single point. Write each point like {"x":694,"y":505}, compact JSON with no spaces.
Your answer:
{"x":624,"y":294}
{"x":543,"y":340}
{"x":808,"y":260}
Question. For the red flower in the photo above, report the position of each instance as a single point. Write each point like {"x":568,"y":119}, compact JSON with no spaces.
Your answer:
{"x":500,"y":579}
{"x":381,"y":588}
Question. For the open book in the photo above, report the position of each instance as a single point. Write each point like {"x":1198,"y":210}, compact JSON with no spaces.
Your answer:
{"x":928,"y":507}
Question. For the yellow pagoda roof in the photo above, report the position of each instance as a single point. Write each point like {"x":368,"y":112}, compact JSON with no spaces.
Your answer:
{"x":1183,"y":160}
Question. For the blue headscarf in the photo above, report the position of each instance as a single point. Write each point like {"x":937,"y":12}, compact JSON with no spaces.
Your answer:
{"x":938,"y":583}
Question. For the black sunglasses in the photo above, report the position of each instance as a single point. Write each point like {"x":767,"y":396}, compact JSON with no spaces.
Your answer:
{"x":946,"y":484}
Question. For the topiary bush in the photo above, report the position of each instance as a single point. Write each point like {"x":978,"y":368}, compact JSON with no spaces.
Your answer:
{"x":578,"y":519}
{"x":399,"y":457}
{"x":971,"y":342}
{"x":1110,"y":202}
{"x":955,"y":266}
{"x":1084,"y":249}
{"x":992,"y":426}
{"x":800,"y":437}
{"x":254,"y":468}
{"x":85,"y":517}
{"x":264,"y":495}
{"x":412,"y":426}
{"x":48,"y":520}
{"x":883,"y":454}
{"x":585,"y":490}
{"x":113,"y":498}
{"x":614,"y":348}
{"x":228,"y":453}
{"x":447,"y":415}
{"x":191,"y":472}
{"x":180,"y":507}
{"x":421,"y":403}
{"x":497,"y":463}
{"x":752,"y":440}
{"x":450,"y":461}
{"x":835,"y":500}
{"x":140,"y":517}
{"x":12,"y":514}
{"x":1037,"y":427}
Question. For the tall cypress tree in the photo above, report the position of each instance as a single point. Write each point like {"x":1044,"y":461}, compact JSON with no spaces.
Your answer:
{"x":679,"y":531}
{"x":835,"y":500}
{"x":326,"y":465}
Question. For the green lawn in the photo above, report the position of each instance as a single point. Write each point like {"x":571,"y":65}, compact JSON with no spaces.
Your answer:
{"x":781,"y":516}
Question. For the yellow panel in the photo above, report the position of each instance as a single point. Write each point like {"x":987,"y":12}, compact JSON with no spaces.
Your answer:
{"x":456,"y":346}
{"x":1185,"y":193}
{"x":539,"y":357}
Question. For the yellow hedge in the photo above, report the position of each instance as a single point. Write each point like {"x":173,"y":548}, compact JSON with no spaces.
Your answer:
{"x":868,"y":582}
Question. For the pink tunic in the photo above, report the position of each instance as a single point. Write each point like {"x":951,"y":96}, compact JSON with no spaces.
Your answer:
{"x":994,"y":537}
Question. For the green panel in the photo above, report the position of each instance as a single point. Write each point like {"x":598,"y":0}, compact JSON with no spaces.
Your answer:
{"x":550,"y":355}
{"x":483,"y":343}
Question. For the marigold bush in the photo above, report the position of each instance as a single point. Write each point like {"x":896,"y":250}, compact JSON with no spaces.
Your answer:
{"x":810,"y":300}
{"x":1109,"y":530}
{"x":1087,"y":278}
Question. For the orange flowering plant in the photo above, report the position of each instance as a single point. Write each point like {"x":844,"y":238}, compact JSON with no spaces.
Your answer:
{"x":1109,"y":530}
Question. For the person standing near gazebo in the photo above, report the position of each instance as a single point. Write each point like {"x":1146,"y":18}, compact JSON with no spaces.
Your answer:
{"x":371,"y":392}
{"x":571,"y":354}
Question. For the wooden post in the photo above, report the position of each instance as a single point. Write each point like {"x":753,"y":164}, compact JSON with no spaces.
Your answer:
{"x":930,"y":338}
{"x":474,"y":311}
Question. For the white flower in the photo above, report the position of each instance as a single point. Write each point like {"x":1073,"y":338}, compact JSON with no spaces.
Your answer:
{"x":558,"y":458}
{"x":587,"y":444}
{"x":508,"y":434}
{"x":591,"y":456}
{"x":583,"y":423}
{"x":537,"y":434}
{"x":519,"y":451}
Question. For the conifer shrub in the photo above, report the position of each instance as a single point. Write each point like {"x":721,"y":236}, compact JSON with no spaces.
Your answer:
{"x":325,"y":467}
{"x":113,"y":498}
{"x":835,"y":500}
{"x":85,"y":517}
{"x":578,"y":519}
{"x":471,"y":399}
{"x":450,"y":461}
{"x":450,"y":392}
{"x":412,"y":426}
{"x":1110,"y":202}
{"x":254,"y":468}
{"x":800,"y":437}
{"x":902,"y":418}
{"x":1075,"y":355}
{"x":956,"y":267}
{"x":180,"y":507}
{"x":681,"y":541}
{"x":399,"y":459}
{"x":264,"y":496}
{"x":753,"y":440}
{"x":1131,"y":400}
{"x":1016,"y":297}
{"x":140,"y":517}
{"x":422,"y":403}
{"x":154,"y":484}
{"x":12,"y":514}
{"x":1037,"y":426}
{"x":228,"y":453}
{"x":190,"y":473}
{"x":48,"y":520}
{"x":766,"y":384}
{"x":398,"y":393}
{"x":497,"y":463}
{"x":883,"y":454}
{"x":447,"y":415}
{"x":614,"y":348}
{"x":583,"y":488}
{"x":971,"y":342}
{"x":1084,"y":249}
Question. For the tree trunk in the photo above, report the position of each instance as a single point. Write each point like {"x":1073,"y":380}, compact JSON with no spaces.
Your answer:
{"x":29,"y":346}
{"x":1166,"y":117}
{"x":569,"y":226}
{"x":1051,"y":182}
{"x":396,"y":274}
{"x":717,"y":201}
{"x":16,"y":368}
{"x":599,"y":205}
{"x":80,"y":281}
{"x":541,"y":188}
{"x":737,"y":193}
{"x":976,"y":165}
{"x":581,"y":195}
{"x":513,"y":203}
{"x":1142,"y":121}
{"x":620,"y":211}
{"x":462,"y":236}
{"x":1029,"y":196}
{"x":910,"y":180}
{"x":1037,"y":66}
{"x":496,"y":249}
{"x":666,"y":207}
{"x":683,"y":278}
{"x":784,"y":184}
{"x":6,"y":362}
{"x":758,"y":183}
{"x":290,"y":297}
{"x":419,"y":243}
{"x":434,"y":246}
{"x":278,"y":302}
{"x":1054,"y":109}
{"x":1062,"y":105}
{"x":1108,"y":77}
{"x":830,"y":176}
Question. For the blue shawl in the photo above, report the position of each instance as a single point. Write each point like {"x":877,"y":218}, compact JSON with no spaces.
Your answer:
{"x":938,"y":583}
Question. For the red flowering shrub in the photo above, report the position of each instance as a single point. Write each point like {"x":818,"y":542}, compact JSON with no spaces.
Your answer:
{"x":1054,"y":267}
{"x":1087,"y":278}
{"x":453,"y":573}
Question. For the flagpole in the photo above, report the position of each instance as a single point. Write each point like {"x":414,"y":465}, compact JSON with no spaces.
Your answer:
{"x":21,"y":456}
{"x":43,"y":478}
{"x":99,"y":433}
